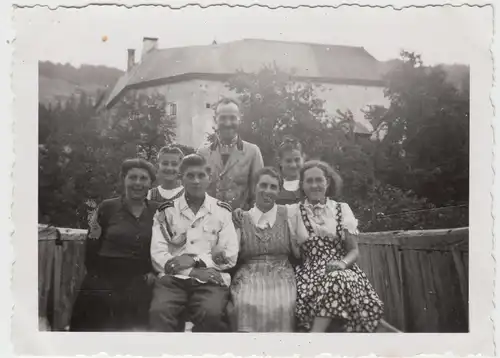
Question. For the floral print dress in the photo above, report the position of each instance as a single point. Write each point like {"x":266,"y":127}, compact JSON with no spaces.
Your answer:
{"x":346,"y":295}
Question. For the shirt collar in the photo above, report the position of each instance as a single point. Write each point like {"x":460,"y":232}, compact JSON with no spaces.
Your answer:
{"x":123,"y":202}
{"x":207,"y":203}
{"x":237,"y":141}
{"x":230,"y":144}
{"x":320,"y":208}
{"x":269,"y":216}
{"x":174,"y":190}
{"x":125,"y":208}
{"x":291,"y":185}
{"x":309,"y":205}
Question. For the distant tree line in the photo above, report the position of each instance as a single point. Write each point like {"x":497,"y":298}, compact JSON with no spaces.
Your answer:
{"x":413,"y":173}
{"x":83,"y":75}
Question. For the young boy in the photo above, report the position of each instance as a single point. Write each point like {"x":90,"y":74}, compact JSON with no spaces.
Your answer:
{"x":169,"y":159}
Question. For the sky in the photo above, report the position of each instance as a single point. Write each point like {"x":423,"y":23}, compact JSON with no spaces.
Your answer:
{"x":76,"y":36}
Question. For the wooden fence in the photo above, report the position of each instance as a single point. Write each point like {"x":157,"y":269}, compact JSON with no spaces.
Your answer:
{"x":422,"y":276}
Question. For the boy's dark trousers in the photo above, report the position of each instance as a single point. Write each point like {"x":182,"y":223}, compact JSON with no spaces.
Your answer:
{"x":177,"y":300}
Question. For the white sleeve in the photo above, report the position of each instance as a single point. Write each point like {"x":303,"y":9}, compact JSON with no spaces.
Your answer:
{"x":349,"y":221}
{"x":292,"y":216}
{"x":160,"y":253}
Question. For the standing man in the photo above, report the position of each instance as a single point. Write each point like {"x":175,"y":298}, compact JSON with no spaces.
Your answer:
{"x":187,"y":232}
{"x":232,"y":161}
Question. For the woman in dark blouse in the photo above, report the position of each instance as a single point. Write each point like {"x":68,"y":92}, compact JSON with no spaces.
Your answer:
{"x":116,"y":292}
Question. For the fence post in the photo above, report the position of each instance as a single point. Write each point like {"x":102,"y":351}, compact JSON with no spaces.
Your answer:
{"x":46,"y":253}
{"x":462,"y":277}
{"x":56,"y":321}
{"x":402,"y":289}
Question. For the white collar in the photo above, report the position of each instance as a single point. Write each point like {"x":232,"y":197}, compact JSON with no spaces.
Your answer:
{"x":308,"y":204}
{"x":261,"y":219}
{"x":291,"y":185}
{"x":206,"y":207}
{"x":320,"y":208}
{"x":170,"y":192}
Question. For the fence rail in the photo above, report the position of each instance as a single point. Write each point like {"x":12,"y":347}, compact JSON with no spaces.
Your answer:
{"x":422,"y":276}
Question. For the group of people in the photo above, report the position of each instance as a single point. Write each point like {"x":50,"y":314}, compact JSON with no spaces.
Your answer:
{"x":226,"y":244}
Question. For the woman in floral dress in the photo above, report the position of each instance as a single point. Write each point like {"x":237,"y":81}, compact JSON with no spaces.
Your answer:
{"x":332,"y":291}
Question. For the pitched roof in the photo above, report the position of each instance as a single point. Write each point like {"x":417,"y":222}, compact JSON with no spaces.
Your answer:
{"x":305,"y":60}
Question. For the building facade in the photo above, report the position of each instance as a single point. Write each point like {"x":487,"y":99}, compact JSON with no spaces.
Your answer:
{"x":193,"y":79}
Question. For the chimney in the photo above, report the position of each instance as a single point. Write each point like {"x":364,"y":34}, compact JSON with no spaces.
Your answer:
{"x":130,"y":59}
{"x":148,"y":44}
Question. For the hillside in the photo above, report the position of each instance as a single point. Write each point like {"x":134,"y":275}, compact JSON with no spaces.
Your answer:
{"x":58,"y":82}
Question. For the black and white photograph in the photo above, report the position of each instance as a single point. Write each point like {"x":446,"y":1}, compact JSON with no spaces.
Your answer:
{"x":230,"y":170}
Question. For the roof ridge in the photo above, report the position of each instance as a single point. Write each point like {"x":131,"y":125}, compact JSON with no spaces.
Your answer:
{"x":185,"y":47}
{"x":302,"y":43}
{"x":220,"y":44}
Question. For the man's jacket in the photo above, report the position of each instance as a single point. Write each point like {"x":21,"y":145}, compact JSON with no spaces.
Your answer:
{"x":233,"y":182}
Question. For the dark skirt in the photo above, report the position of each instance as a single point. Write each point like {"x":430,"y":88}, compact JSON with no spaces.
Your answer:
{"x":114,"y":296}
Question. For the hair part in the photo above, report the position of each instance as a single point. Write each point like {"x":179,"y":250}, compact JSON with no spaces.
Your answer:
{"x":289,"y":144}
{"x":227,"y":100}
{"x":272,"y":172}
{"x":138,"y":163}
{"x":171,"y":149}
{"x":193,"y":160}
{"x":334,"y":189}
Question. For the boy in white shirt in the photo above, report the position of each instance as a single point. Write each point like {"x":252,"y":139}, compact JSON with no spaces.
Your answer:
{"x":186,"y":233}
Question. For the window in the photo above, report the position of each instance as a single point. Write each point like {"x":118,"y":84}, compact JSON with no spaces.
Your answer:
{"x":171,"y":109}
{"x":208,"y":106}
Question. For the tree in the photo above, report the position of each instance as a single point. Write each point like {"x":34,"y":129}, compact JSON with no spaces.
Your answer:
{"x":378,"y":179}
{"x":69,"y":144}
{"x":140,"y":120}
{"x":274,"y":106}
{"x":80,"y":152}
{"x":426,"y":145}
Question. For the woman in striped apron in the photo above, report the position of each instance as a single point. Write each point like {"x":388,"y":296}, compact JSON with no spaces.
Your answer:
{"x":263,"y":288}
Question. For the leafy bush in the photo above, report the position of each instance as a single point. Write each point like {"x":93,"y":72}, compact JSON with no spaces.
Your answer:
{"x":81,"y":152}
